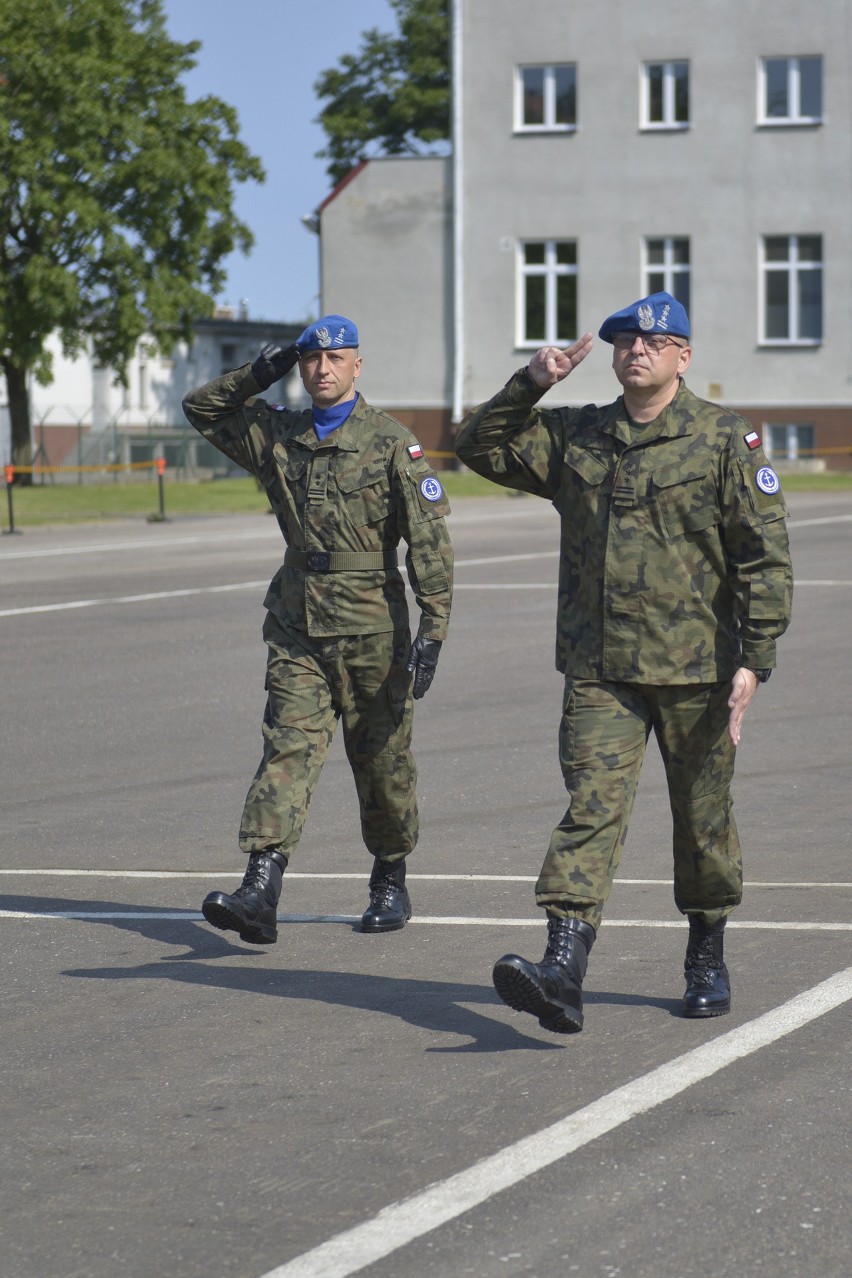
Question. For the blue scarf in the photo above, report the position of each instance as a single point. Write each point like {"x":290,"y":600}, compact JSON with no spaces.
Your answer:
{"x":328,"y":419}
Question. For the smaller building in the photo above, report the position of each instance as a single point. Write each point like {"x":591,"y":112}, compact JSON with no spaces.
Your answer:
{"x":385,"y":261}
{"x":84,"y":417}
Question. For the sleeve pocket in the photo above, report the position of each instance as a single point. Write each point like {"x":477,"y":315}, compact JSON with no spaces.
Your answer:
{"x":769,"y":597}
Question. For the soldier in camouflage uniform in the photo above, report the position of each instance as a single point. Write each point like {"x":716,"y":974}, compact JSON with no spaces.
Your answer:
{"x":346,"y":483}
{"x":674,"y":584}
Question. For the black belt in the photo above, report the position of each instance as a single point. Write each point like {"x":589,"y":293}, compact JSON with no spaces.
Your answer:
{"x":339,"y":560}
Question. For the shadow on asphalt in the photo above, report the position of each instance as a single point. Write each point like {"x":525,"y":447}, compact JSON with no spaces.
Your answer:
{"x":439,"y":1007}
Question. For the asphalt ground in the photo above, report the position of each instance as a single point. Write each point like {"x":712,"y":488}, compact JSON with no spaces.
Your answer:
{"x":177,"y":1103}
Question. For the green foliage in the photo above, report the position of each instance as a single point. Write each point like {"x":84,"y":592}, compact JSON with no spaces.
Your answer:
{"x":392,"y":97}
{"x":116,"y":192}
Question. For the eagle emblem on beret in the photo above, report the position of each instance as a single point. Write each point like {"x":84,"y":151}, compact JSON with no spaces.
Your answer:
{"x":323,"y":337}
{"x":645,"y":316}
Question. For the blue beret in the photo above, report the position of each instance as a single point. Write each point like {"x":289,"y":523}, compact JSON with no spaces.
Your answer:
{"x":331,"y":331}
{"x":659,"y":313}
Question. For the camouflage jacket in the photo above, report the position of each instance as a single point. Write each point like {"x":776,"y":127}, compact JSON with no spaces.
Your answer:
{"x":355,"y":493}
{"x":674,"y":562}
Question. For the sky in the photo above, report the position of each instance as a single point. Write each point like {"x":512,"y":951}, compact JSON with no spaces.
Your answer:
{"x":262,"y":57}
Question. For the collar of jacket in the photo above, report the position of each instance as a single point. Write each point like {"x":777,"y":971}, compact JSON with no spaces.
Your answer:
{"x":676,"y":419}
{"x":348,"y":438}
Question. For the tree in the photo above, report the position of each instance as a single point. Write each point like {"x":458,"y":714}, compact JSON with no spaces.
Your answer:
{"x":116,"y":192}
{"x":393,"y":96}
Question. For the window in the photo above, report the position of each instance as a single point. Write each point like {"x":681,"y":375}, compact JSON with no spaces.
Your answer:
{"x":665,"y":95}
{"x":546,"y":98}
{"x":547,"y":292}
{"x":789,"y":441}
{"x":228,"y":355}
{"x":790,"y":91}
{"x":666,"y":267}
{"x":791,"y":277}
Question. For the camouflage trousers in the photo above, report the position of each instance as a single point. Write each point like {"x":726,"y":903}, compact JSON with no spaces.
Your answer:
{"x":311,"y":683}
{"x":602,"y":738}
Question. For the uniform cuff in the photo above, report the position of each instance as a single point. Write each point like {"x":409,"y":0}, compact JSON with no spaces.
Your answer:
{"x":432,"y":628}
{"x":759,"y":657}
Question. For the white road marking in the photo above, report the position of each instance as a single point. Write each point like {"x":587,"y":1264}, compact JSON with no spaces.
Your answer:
{"x":94,"y":548}
{"x":270,"y":532}
{"x":234,"y":871}
{"x":823,"y":519}
{"x":150,"y":596}
{"x":154,"y":915}
{"x":129,"y":599}
{"x":400,"y":1223}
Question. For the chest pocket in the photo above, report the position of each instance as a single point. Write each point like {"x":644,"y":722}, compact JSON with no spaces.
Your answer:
{"x":365,"y":493}
{"x":584,"y":470}
{"x":686,"y":501}
{"x":292,"y":467}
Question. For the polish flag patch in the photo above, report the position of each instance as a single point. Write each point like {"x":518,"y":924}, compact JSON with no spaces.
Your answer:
{"x":752,"y":439}
{"x":414,"y":450}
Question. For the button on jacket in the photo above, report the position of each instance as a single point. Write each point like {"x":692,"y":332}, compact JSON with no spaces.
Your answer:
{"x":674,"y":561}
{"x":360,"y":491}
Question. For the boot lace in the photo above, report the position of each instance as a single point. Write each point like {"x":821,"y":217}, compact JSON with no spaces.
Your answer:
{"x":257,"y":873}
{"x":383,"y":892}
{"x":703,"y":962}
{"x":562,"y":942}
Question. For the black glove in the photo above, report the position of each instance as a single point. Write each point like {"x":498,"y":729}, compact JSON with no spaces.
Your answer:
{"x":272,"y":363}
{"x":422,"y":661}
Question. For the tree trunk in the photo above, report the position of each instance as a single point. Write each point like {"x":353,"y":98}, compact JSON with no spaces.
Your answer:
{"x":19,"y":419}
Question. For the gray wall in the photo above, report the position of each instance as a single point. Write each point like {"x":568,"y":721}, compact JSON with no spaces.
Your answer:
{"x":384,"y":263}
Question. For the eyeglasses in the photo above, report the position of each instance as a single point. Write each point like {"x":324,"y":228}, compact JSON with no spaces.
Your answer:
{"x":654,"y":343}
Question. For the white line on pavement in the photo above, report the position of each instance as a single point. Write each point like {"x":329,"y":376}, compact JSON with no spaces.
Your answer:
{"x":154,"y":543}
{"x":127,"y":599}
{"x":823,"y":519}
{"x":269,"y":532}
{"x":262,"y":585}
{"x":400,"y":1223}
{"x":155,"y":915}
{"x":331,"y":874}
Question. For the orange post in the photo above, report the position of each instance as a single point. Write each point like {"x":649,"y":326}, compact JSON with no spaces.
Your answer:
{"x":161,"y":470}
{"x":10,"y":480}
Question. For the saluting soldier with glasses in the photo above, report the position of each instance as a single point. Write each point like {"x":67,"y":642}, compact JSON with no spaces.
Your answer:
{"x":674,"y":584}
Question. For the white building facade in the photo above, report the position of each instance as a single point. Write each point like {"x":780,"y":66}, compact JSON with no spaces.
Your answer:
{"x":85,"y":417}
{"x":601,"y":152}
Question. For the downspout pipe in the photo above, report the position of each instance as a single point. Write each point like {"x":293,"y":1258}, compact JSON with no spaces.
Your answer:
{"x":458,"y":359}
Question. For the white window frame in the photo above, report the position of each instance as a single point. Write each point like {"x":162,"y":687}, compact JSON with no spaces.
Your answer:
{"x":793,"y":268}
{"x":551,"y":270}
{"x":794,"y":93}
{"x":550,"y":123}
{"x":669,"y":268}
{"x":668,"y":121}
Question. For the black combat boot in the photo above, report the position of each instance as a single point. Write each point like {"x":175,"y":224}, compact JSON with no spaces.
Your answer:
{"x":390,"y":907}
{"x":251,"y":909}
{"x":708,"y":989}
{"x":552,"y":990}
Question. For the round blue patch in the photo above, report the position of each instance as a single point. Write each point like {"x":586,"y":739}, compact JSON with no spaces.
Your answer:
{"x":431,"y":488}
{"x":766,"y":480}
